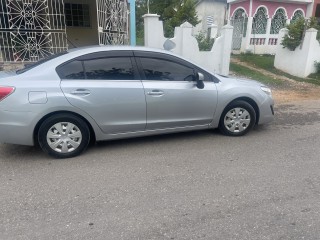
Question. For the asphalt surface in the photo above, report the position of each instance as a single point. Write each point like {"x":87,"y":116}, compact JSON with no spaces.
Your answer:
{"x":198,"y":185}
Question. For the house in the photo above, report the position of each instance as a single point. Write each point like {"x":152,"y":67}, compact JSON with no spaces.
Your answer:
{"x":257,"y":22}
{"x":33,"y":29}
{"x":316,"y":9}
{"x":210,"y":12}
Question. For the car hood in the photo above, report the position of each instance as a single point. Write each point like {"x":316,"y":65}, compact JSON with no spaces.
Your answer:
{"x":245,"y":82}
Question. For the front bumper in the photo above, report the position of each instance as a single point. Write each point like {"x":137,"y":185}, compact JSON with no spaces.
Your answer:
{"x":266,"y":111}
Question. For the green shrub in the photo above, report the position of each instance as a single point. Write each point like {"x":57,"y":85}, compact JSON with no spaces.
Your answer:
{"x":317,"y":65}
{"x":295,"y":32}
{"x":204,"y":42}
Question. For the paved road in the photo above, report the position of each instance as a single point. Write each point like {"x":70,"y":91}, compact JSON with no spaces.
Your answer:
{"x":198,"y":185}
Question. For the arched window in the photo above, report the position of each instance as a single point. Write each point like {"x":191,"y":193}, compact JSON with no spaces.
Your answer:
{"x":259,"y":25}
{"x":298,"y":14}
{"x":239,"y":14}
{"x":278,"y":21}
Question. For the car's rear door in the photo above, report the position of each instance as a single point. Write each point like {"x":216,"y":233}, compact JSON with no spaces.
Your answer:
{"x":173,"y":99}
{"x":107,"y":86}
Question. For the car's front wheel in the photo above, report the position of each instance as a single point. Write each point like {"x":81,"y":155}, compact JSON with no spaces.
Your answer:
{"x":237,"y":119}
{"x":63,"y":135}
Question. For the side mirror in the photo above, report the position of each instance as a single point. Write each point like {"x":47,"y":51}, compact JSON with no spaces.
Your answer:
{"x":199,"y":80}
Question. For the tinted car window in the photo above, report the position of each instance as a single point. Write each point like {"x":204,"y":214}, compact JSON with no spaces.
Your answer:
{"x":163,"y":70}
{"x":71,"y":70}
{"x":117,"y":68}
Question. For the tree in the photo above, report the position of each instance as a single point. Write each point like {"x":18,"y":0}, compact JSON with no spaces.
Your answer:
{"x":172,"y":12}
{"x":296,"y":31}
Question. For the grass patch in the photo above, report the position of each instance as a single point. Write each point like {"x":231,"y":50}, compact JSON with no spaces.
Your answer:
{"x":255,"y":75}
{"x":261,"y":61}
{"x":315,"y":76}
{"x":266,"y":62}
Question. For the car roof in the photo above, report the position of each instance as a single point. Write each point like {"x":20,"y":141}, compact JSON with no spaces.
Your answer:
{"x":98,"y":48}
{"x":75,"y":52}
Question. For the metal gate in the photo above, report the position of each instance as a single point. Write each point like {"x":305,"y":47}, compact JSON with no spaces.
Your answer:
{"x":239,"y":22}
{"x":31,"y":29}
{"x":113,"y":22}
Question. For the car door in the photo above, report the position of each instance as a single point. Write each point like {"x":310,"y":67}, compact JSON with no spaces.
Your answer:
{"x":106,"y":85}
{"x":173,"y":99}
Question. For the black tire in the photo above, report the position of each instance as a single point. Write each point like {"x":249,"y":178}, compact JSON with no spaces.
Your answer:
{"x":69,"y":144}
{"x":241,"y":124}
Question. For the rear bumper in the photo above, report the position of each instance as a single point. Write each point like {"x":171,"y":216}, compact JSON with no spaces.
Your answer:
{"x":16,"y":127}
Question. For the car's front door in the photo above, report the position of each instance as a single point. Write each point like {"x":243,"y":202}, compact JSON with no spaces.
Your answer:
{"x":106,"y":86}
{"x":173,"y":99}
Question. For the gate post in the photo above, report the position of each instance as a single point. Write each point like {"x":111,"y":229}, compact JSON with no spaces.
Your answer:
{"x":227,"y":33}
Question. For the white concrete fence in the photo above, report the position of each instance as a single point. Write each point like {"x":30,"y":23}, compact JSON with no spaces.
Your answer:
{"x":301,"y":61}
{"x":184,"y":44}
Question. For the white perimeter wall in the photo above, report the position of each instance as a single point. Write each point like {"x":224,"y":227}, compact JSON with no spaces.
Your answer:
{"x":184,"y":44}
{"x":300,"y":62}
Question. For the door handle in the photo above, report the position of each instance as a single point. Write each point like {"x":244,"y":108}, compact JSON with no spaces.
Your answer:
{"x":81,"y":92}
{"x":156,"y":93}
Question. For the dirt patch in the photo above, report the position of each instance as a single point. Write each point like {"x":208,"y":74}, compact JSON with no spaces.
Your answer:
{"x":290,"y":91}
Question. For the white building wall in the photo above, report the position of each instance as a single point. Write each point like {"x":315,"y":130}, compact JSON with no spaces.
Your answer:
{"x":300,"y":62}
{"x":216,"y":9}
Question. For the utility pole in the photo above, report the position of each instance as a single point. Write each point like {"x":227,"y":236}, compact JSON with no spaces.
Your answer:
{"x":132,"y":22}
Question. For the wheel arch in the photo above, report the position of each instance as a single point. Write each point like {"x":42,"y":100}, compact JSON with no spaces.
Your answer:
{"x":37,"y":127}
{"x":252,"y":103}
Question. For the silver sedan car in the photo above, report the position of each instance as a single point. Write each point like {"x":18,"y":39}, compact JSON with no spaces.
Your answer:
{"x":103,"y":93}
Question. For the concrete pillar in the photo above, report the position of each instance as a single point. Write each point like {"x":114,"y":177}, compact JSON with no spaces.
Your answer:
{"x":186,"y":44}
{"x":309,"y":47}
{"x":309,"y":9}
{"x":213,"y":31}
{"x":248,"y":34}
{"x":268,"y":26}
{"x":153,"y":31}
{"x":226,"y":32}
{"x":268,"y":35}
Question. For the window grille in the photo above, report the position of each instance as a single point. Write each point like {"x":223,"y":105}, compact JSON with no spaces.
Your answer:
{"x":259,"y":25}
{"x":210,"y":20}
{"x":113,"y":21}
{"x":31,"y":29}
{"x":278,"y":21}
{"x":298,"y":14}
{"x":77,"y":15}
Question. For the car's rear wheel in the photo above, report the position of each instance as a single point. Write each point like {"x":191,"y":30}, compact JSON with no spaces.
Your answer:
{"x":63,"y":135}
{"x":237,"y":119}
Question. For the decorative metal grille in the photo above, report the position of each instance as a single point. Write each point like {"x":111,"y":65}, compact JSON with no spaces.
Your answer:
{"x":259,"y":25}
{"x":298,"y":14}
{"x":239,"y":23}
{"x":31,"y":29}
{"x":113,"y":22}
{"x":278,"y":21}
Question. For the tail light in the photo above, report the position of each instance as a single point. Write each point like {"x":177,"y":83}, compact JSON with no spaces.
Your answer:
{"x":5,"y":92}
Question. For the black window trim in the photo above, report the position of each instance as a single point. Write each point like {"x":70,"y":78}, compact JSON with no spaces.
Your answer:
{"x":101,"y":55}
{"x":138,"y":59}
{"x":163,"y":56}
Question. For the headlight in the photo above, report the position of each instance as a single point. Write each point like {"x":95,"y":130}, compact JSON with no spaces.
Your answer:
{"x":266,"y":90}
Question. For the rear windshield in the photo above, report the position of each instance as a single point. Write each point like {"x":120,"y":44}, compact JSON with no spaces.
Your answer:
{"x":27,"y":67}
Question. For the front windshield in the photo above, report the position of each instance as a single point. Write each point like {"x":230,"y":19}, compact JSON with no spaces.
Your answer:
{"x":27,"y":67}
